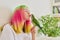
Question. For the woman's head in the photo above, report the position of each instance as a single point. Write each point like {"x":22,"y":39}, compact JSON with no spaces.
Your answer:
{"x":21,"y":14}
{"x":24,"y":10}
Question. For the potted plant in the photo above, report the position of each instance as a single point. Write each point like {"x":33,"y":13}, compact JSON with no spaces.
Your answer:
{"x":49,"y":27}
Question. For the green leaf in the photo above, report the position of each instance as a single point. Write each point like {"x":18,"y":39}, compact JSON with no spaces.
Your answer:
{"x":35,"y":21}
{"x":50,"y":26}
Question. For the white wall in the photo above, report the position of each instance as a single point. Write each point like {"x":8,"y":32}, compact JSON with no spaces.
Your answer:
{"x":38,"y":7}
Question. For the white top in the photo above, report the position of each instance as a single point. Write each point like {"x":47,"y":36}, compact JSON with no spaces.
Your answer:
{"x":9,"y":34}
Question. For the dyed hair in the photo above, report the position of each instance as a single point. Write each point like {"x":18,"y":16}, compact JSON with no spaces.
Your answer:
{"x":17,"y":20}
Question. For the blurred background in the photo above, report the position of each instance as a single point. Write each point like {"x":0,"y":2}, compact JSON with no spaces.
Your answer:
{"x":37,"y":7}
{"x":40,"y":8}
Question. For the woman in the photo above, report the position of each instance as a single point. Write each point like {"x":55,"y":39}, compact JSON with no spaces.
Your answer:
{"x":20,"y":26}
{"x":21,"y":21}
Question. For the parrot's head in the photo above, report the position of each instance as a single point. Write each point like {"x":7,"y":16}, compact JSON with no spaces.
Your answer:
{"x":24,"y":10}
